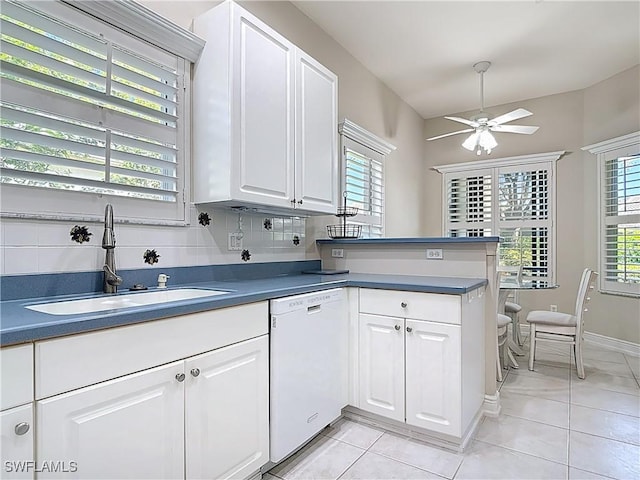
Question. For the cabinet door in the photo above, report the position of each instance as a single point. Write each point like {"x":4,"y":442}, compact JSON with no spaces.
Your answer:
{"x":381,"y":353}
{"x":16,"y":442}
{"x":316,"y":149}
{"x":130,"y":427}
{"x":227,"y":411}
{"x":263,"y":99}
{"x":433,"y":393}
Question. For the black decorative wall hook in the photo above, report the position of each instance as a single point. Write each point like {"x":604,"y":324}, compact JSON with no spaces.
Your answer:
{"x":267,"y":224}
{"x":150,"y":257}
{"x":246,"y":255}
{"x":296,"y":240}
{"x":80,"y":234}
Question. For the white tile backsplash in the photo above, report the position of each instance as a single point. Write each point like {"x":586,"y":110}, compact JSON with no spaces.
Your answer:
{"x":30,"y":246}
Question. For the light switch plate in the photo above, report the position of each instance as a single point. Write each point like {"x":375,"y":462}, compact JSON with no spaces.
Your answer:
{"x":337,"y":252}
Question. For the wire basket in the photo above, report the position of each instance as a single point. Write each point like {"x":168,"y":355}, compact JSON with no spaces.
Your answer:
{"x":344,"y":231}
{"x":347,"y":212}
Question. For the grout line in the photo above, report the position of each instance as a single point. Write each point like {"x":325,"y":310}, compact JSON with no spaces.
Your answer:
{"x":351,"y":464}
{"x":522,"y":453}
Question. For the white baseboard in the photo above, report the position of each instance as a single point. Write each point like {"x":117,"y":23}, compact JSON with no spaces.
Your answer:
{"x":621,"y":346}
{"x":610,"y":343}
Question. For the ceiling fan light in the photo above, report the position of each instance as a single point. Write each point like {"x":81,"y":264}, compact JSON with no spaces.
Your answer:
{"x":487,"y":141}
{"x":472,"y":141}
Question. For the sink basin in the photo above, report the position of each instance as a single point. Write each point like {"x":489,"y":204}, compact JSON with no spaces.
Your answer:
{"x":90,"y":305}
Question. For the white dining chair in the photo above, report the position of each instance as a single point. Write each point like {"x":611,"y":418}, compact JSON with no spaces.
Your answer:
{"x":512,"y":309}
{"x":547,"y":326}
{"x":503,"y":353}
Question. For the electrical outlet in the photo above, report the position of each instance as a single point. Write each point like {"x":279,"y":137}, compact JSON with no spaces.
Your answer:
{"x":554,"y":308}
{"x":434,"y":254}
{"x":235,"y":241}
{"x":337,"y":252}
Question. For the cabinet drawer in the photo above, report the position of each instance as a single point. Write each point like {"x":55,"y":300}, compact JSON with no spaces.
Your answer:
{"x":420,"y":306}
{"x":76,"y":361}
{"x":17,"y":375}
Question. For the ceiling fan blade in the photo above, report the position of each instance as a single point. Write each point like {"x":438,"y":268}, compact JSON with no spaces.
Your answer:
{"x":452,"y":133}
{"x":508,"y":117}
{"x":471,"y":123}
{"x":526,"y":129}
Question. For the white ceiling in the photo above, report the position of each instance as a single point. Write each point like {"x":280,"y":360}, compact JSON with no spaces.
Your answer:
{"x":424,"y":50}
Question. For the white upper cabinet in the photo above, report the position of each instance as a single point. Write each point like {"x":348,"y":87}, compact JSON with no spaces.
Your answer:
{"x":264,"y":118}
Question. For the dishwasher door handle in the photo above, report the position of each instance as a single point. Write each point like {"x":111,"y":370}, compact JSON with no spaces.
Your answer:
{"x":314,"y":308}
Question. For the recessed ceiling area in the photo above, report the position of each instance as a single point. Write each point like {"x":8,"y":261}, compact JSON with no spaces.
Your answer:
{"x":424,"y":50}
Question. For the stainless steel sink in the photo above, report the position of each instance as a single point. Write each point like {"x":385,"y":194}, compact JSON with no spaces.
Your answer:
{"x":90,"y":305}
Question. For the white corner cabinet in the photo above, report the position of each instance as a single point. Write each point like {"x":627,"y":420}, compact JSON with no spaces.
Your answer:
{"x":264,"y":119}
{"x":421,"y":358}
{"x":16,"y":412}
{"x":183,"y":397}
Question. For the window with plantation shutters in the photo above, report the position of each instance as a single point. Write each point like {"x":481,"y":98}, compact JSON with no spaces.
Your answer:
{"x":619,"y":167}
{"x":363,"y":177}
{"x":363,"y":185}
{"x":512,"y":198}
{"x":87,"y":111}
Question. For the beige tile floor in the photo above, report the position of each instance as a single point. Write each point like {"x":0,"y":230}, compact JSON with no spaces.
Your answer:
{"x":552,"y":426}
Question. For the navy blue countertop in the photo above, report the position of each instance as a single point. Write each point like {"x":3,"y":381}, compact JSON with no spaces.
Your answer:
{"x":19,"y":324}
{"x":408,"y":240}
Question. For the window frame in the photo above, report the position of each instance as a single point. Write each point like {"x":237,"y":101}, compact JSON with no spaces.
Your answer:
{"x":355,"y":138}
{"x":605,"y":151}
{"x":494,"y":168}
{"x":147,"y":28}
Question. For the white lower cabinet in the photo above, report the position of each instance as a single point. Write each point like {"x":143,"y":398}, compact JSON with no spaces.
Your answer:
{"x":204,"y":417}
{"x":433,"y":390}
{"x":201,"y":415}
{"x":382,"y":365}
{"x":227,"y":411}
{"x":131,"y":427}
{"x":421,"y":359}
{"x":16,"y":442}
{"x":16,"y":412}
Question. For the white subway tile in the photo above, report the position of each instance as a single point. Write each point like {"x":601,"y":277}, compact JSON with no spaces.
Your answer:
{"x":19,"y":260}
{"x":20,"y":234}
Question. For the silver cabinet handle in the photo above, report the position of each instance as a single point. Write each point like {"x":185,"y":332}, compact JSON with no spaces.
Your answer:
{"x":397,"y":327}
{"x":403,"y":304}
{"x":409,"y":329}
{"x":21,"y":428}
{"x":195,"y":372}
{"x":180,"y":377}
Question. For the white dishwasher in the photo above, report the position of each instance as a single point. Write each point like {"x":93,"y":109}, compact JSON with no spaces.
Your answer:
{"x":308,"y":367}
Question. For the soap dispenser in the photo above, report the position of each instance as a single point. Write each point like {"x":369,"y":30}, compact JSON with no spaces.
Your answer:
{"x":162,"y":280}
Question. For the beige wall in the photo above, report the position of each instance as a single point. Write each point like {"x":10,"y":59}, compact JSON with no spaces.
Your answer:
{"x":362,"y":99}
{"x":567,"y":121}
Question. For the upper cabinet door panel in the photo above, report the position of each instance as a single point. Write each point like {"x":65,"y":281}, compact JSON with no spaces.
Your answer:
{"x":316,"y":136}
{"x":264,"y":96}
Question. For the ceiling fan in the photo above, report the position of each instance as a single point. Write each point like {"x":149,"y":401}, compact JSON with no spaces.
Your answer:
{"x":482,"y":124}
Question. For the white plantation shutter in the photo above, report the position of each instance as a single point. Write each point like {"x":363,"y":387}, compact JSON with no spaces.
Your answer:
{"x":621,"y":229}
{"x":469,"y":204}
{"x":525,"y":221}
{"x":364,"y":185}
{"x":619,"y":219}
{"x":511,"y":198}
{"x":363,"y":155}
{"x":87,"y":109}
